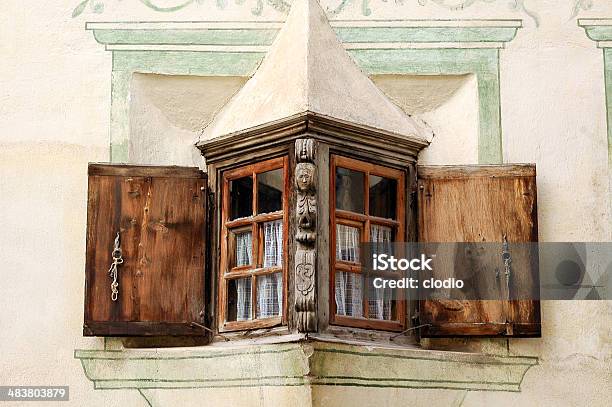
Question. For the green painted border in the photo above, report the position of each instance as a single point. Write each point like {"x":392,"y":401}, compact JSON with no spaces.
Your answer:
{"x":436,"y":47}
{"x":600,"y":30}
{"x":307,"y":363}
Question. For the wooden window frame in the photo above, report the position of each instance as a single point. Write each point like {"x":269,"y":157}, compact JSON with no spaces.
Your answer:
{"x":363,"y":221}
{"x":254,"y":221}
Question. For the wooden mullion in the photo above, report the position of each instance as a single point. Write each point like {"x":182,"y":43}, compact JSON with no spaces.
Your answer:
{"x":236,"y":223}
{"x":253,"y":297}
{"x":384,"y":222}
{"x":368,"y":323}
{"x":268,"y":165}
{"x":285,"y":217}
{"x":332,"y":240}
{"x":348,"y":267}
{"x":358,"y":217}
{"x":251,"y":325}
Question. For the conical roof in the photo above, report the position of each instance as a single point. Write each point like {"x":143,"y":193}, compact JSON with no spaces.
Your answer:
{"x":308,"y":70}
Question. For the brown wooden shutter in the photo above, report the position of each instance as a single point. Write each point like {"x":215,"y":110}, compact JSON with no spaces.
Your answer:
{"x":160,"y":215}
{"x":481,"y":204}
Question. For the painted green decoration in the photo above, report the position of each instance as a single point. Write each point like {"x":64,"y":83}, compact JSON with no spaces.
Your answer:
{"x":336,"y":7}
{"x":426,"y":47}
{"x":95,"y":7}
{"x":302,"y":364}
{"x":600,"y":30}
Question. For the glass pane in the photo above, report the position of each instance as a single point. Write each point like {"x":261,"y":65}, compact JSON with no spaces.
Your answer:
{"x":347,"y":243}
{"x":269,"y":295}
{"x":244,"y":249}
{"x":270,"y":191}
{"x":241,"y":196}
{"x":381,"y":238}
{"x":273,"y":244}
{"x":383,"y":197}
{"x":349,"y":190}
{"x":239,"y":299}
{"x":349,"y":294}
{"x":381,"y":304}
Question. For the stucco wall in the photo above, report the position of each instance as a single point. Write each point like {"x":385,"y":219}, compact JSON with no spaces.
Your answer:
{"x":54,"y":118}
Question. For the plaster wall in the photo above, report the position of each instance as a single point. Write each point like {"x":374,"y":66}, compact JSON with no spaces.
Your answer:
{"x":54,"y":118}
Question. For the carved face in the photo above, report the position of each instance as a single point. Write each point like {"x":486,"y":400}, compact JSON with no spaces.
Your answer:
{"x":304,"y":176}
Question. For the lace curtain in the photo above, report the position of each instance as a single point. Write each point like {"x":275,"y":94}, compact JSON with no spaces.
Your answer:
{"x":348,"y":286}
{"x":269,"y":287}
{"x":349,"y":294}
{"x":243,"y":299}
{"x":379,"y":299}
{"x":244,"y":257}
{"x":273,"y":238}
{"x":244,"y":249}
{"x":269,"y":295}
{"x":347,"y":243}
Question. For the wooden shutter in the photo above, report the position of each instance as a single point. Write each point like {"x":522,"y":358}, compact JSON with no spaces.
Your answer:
{"x":160,"y":215}
{"x":481,"y":204}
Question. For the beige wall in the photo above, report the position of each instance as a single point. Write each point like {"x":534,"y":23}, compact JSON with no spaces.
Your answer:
{"x":54,"y":118}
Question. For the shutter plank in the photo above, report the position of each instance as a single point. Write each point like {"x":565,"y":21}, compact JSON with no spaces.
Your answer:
{"x":481,"y":204}
{"x":161,"y":215}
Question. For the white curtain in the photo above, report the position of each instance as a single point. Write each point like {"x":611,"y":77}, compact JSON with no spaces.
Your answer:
{"x":273,"y":249}
{"x":379,"y":300}
{"x":349,"y":294}
{"x":347,"y":243}
{"x":244,"y":249}
{"x":243,"y":300}
{"x":269,"y":295}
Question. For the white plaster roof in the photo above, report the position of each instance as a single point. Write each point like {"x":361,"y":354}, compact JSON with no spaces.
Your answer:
{"x":307,"y":69}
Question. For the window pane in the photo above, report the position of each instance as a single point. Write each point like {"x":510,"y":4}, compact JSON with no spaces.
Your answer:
{"x":269,"y":295}
{"x":241,"y":196}
{"x":381,"y":304}
{"x":273,"y":244}
{"x":347,"y":243}
{"x":270,"y":191}
{"x":244,"y":249}
{"x":350,"y":194}
{"x":239,"y":299}
{"x":383,"y":197}
{"x":381,"y":238}
{"x":349,"y":294}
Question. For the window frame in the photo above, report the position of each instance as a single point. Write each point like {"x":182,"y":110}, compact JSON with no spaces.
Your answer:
{"x":364,"y":221}
{"x":254,"y":221}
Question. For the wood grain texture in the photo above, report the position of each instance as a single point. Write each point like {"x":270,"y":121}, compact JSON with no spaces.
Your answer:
{"x":161,"y":219}
{"x":481,"y":204}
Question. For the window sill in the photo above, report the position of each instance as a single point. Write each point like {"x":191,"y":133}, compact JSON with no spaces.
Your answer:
{"x":304,"y":362}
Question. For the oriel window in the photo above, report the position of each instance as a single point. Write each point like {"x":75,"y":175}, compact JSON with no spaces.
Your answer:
{"x":254,"y":246}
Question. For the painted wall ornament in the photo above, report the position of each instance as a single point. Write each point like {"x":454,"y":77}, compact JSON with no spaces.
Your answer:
{"x":305,"y":254}
{"x":334,"y":7}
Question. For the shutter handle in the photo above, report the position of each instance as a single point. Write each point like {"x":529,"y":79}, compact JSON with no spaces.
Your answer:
{"x":507,"y":259}
{"x":112,"y":271}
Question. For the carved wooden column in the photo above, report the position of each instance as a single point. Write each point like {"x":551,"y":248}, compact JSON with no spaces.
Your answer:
{"x":305,"y":255}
